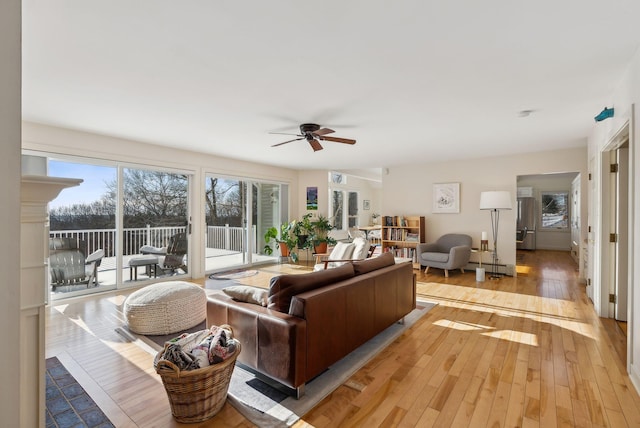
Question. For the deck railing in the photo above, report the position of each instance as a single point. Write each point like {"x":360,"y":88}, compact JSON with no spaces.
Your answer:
{"x":219,"y":237}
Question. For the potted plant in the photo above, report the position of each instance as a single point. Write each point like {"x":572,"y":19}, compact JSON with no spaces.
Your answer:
{"x":374,"y":218}
{"x":319,"y":236}
{"x":288,"y":241}
{"x":302,"y":229}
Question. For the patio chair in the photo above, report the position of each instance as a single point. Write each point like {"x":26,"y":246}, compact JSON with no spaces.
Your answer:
{"x":172,"y":257}
{"x":68,"y":264}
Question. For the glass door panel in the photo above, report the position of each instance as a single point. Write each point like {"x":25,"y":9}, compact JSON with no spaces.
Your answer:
{"x":82,"y":231}
{"x":225,"y":213}
{"x":155,"y":224}
{"x":238,"y":214}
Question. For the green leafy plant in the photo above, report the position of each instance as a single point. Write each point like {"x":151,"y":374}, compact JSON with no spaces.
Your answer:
{"x":270,"y":235}
{"x":320,"y":229}
{"x":302,"y":229}
{"x":289,"y":238}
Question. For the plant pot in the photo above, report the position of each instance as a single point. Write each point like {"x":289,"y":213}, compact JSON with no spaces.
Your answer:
{"x":302,"y":241}
{"x":284,"y":250}
{"x":321,"y":248}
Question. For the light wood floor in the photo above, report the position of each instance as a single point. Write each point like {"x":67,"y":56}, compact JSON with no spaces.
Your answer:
{"x":526,"y":351}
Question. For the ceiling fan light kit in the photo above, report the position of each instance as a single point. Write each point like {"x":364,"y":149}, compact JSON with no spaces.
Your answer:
{"x":313,"y":133}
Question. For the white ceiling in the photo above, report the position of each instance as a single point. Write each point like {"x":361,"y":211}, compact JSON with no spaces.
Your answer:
{"x":411,"y":81}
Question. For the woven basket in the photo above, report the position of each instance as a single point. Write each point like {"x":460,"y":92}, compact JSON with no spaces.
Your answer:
{"x":197,"y":395}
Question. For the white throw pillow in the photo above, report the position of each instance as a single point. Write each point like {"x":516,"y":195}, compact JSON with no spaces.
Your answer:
{"x":361,"y":249}
{"x":248,"y":294}
{"x":342,"y":251}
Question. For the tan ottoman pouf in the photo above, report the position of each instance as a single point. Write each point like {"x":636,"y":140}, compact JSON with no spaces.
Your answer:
{"x":165,"y":308}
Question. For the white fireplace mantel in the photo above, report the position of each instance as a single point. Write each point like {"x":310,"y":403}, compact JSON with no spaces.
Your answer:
{"x":35,"y":193}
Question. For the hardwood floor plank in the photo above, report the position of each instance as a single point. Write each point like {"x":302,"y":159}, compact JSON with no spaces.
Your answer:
{"x":527,"y":351}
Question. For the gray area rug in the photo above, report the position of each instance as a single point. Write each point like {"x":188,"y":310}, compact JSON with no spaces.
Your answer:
{"x":266,"y":405}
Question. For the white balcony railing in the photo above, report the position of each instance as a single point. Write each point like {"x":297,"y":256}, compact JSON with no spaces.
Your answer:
{"x":217,"y":237}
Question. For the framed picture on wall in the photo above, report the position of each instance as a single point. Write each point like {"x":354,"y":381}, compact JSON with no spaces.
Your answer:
{"x":366,"y":204}
{"x":446,"y":198}
{"x":312,"y":198}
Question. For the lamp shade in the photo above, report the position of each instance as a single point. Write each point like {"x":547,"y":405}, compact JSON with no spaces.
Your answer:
{"x":495,"y":200}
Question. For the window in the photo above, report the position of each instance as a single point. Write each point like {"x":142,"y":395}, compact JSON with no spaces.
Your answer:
{"x":344,"y":219}
{"x":353,"y":209}
{"x":337,"y":178}
{"x":555,"y":210}
{"x":337,"y":209}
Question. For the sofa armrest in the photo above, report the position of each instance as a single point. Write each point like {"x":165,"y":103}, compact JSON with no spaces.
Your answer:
{"x":273,"y":343}
{"x":426,"y":248}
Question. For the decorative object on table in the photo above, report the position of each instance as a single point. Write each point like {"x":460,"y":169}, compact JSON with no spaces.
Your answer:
{"x":374,"y":218}
{"x":312,"y":198}
{"x":446,"y":198}
{"x":484,"y":242}
{"x":366,"y":204}
{"x":313,"y":133}
{"x":495,"y":201}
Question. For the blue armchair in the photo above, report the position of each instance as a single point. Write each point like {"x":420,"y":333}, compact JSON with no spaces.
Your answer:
{"x":450,"y":251}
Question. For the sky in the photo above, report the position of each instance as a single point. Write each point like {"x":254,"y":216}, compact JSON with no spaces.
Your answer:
{"x":90,"y":190}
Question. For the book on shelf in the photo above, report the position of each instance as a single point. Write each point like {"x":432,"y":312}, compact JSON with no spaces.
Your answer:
{"x":412,"y":237}
{"x":394,"y":221}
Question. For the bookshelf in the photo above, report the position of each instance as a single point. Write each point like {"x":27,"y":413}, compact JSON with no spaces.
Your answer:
{"x":401,"y":235}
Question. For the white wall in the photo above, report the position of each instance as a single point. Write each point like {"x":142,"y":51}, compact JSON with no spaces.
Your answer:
{"x":624,"y":98}
{"x":411,"y":186}
{"x":42,"y":139}
{"x":10,"y":113}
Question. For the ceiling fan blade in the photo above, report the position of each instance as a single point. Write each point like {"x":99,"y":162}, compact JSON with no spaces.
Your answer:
{"x":324,"y":131}
{"x":338,"y":140}
{"x":315,"y":145}
{"x":285,"y":142}
{"x":284,"y":133}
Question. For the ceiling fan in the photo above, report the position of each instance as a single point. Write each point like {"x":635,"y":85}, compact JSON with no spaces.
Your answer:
{"x":314,"y":134}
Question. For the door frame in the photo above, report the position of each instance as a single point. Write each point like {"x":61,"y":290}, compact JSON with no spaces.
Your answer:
{"x":607,"y":253}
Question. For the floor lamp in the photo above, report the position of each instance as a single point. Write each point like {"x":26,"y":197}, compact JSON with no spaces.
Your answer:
{"x":495,"y":201}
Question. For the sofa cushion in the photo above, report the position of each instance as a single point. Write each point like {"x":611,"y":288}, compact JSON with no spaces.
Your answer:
{"x":368,"y":265}
{"x":248,"y":294}
{"x":436,"y":257}
{"x":282,"y":288}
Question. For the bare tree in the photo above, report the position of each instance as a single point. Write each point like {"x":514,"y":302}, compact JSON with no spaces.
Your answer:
{"x":152,"y":197}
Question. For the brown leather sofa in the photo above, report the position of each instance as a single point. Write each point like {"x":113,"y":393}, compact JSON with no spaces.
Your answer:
{"x":314,"y":319}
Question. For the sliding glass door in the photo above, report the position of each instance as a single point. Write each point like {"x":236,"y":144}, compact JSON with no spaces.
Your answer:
{"x":155,"y":224}
{"x":238,"y":213}
{"x":122,"y":226}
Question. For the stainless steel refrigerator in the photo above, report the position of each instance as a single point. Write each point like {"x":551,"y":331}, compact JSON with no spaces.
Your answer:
{"x":526,"y":224}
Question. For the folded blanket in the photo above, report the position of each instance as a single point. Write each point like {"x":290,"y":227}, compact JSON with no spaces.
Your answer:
{"x":191,"y":351}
